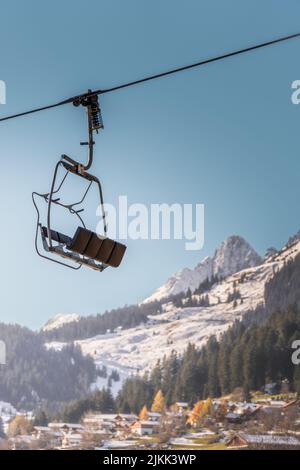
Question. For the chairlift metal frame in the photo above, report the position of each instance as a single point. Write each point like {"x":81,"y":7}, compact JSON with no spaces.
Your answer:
{"x":86,"y":248}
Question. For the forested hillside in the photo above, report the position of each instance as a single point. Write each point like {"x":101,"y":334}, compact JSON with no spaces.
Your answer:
{"x":92,"y":325}
{"x":33,"y":375}
{"x":283,"y":290}
{"x":245,"y":357}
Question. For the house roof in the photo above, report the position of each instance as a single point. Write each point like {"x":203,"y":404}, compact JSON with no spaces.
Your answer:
{"x":128,"y":416}
{"x":65,"y":425}
{"x":73,"y":437}
{"x":292,"y":402}
{"x":146,"y":424}
{"x":101,"y":417}
{"x":42,"y":428}
{"x":233,"y":415}
{"x":276,"y":403}
{"x":270,"y":439}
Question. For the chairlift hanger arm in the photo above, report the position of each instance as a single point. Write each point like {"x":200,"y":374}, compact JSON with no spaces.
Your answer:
{"x":79,"y":99}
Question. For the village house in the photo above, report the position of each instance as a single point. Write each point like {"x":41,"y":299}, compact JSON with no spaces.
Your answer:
{"x":152,"y":416}
{"x":232,"y":417}
{"x":262,"y":442}
{"x":71,"y":440}
{"x":47,"y":434}
{"x":66,"y":427}
{"x":123,"y":419}
{"x":143,"y":428}
{"x":181,"y":407}
{"x":278,"y":408}
{"x":240,"y":412}
{"x":293,"y":404}
{"x":22,"y":442}
{"x":108,"y":422}
{"x":100,"y":422}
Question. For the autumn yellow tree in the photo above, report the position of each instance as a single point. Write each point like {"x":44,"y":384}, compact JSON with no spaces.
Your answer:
{"x":159,"y":403}
{"x":143,"y":413}
{"x":196,"y":414}
{"x":207,"y":407}
{"x":19,"y":425}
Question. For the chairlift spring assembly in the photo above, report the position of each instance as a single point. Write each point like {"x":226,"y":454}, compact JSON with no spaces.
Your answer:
{"x":85,"y":247}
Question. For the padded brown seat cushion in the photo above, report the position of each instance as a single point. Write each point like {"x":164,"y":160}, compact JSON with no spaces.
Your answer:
{"x":91,"y":245}
{"x":102,"y":249}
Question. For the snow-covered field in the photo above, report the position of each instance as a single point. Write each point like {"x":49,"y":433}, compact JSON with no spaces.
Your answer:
{"x":115,"y":444}
{"x":136,"y":350}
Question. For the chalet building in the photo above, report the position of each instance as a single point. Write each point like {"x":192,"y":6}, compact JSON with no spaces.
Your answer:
{"x":22,"y":442}
{"x":100,"y":422}
{"x":293,"y":404}
{"x":262,"y":442}
{"x":153,"y":416}
{"x":41,"y":431}
{"x":232,"y":417}
{"x":71,"y":441}
{"x":45,"y":433}
{"x":108,"y":422}
{"x":181,"y":407}
{"x":143,"y":428}
{"x":66,"y":427}
{"x":123,"y":419}
{"x":278,"y":408}
{"x":241,"y":412}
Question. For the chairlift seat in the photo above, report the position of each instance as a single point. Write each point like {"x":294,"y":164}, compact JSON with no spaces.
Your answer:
{"x":90,"y":245}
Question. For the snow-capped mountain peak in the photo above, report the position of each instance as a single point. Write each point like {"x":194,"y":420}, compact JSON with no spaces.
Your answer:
{"x":233,"y":255}
{"x":60,"y":319}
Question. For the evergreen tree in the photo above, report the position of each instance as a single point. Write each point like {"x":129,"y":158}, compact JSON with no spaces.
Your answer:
{"x":213,"y":361}
{"x":40,"y":419}
{"x":224,"y":368}
{"x":156,"y":376}
{"x":103,"y":401}
{"x":236,"y":366}
{"x":246,"y":393}
{"x":187,"y":383}
{"x":135,"y":393}
{"x":170,"y":368}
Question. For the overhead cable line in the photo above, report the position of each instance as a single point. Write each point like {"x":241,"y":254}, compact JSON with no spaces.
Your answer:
{"x":76,"y":100}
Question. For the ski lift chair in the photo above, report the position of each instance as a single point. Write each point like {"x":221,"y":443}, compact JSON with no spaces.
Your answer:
{"x":85,"y":247}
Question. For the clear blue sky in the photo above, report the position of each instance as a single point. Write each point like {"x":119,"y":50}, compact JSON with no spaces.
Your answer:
{"x":225,"y":135}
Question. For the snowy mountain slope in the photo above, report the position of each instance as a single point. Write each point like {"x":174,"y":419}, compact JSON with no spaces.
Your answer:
{"x":233,"y":255}
{"x":136,"y":350}
{"x":60,"y":319}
